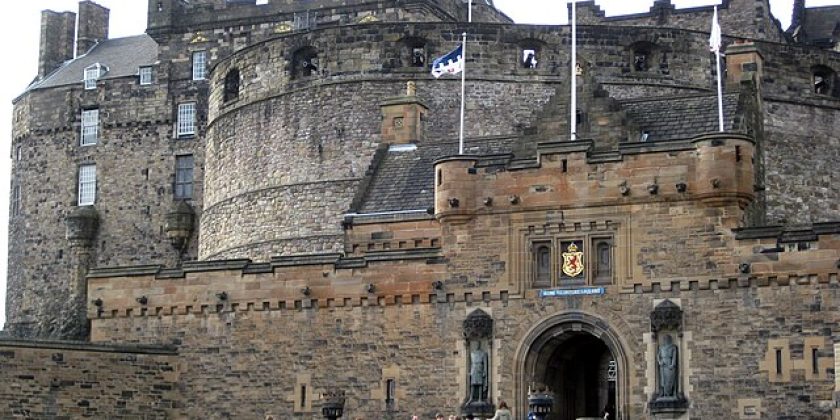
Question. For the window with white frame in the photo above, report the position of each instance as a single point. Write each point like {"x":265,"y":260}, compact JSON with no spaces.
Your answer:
{"x":90,"y":127}
{"x":184,"y":177}
{"x":186,"y":119}
{"x":199,"y":65}
{"x":92,"y":74}
{"x":16,"y":200}
{"x":87,"y":185}
{"x":146,"y":75}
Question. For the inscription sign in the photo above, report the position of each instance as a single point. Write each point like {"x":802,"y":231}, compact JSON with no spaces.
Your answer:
{"x":572,"y":292}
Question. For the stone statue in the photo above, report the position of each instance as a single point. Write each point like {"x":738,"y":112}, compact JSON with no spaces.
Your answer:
{"x":667,"y":357}
{"x":411,"y":88}
{"x":478,"y":373}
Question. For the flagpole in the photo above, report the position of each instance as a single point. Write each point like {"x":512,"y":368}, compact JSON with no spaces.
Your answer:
{"x":463,"y":90}
{"x":469,"y":13}
{"x":719,"y":87}
{"x":573,"y":107}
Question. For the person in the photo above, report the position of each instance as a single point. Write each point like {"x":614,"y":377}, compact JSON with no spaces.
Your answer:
{"x":530,"y":61}
{"x":503,"y":413}
{"x":438,"y":416}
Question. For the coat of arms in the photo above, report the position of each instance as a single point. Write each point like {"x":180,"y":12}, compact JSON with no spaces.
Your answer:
{"x":572,"y":261}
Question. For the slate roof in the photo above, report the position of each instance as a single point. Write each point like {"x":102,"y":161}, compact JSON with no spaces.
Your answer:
{"x":406,"y":180}
{"x":681,"y":118}
{"x":122,"y":57}
{"x":820,"y":23}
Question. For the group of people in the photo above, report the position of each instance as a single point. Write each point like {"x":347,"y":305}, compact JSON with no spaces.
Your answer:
{"x":503,"y":413}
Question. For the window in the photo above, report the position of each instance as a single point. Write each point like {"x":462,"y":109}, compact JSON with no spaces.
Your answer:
{"x":305,"y":62}
{"x":145,"y":75}
{"x":186,"y":119}
{"x":390,"y":392}
{"x":19,"y":153}
{"x":184,"y":177}
{"x":87,"y":185}
{"x":92,"y":74}
{"x":543,"y":264}
{"x":603,"y":261}
{"x":16,"y":200}
{"x":199,"y":65}
{"x":823,"y":80}
{"x":529,"y":58}
{"x":90,"y":127}
{"x":231,"y":85}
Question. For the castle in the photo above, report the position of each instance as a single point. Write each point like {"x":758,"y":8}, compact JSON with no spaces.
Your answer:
{"x":260,"y":211}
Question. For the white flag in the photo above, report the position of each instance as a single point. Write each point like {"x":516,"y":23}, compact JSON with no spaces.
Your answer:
{"x":714,"y":39}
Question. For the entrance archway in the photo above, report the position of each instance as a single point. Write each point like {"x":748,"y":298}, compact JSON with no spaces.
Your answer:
{"x":581,"y":360}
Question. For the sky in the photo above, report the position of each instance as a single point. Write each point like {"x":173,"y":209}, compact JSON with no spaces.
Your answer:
{"x":20,"y":29}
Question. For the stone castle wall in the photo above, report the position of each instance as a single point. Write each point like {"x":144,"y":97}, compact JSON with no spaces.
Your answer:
{"x":73,"y":380}
{"x":420,"y":346}
{"x":136,"y":124}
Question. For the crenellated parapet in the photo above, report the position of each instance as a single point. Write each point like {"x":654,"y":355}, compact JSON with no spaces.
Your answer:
{"x":715,"y":169}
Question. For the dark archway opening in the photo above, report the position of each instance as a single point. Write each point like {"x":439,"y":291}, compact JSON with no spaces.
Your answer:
{"x":580,"y":369}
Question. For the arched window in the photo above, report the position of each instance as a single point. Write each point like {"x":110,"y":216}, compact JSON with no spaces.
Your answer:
{"x":414,"y":52}
{"x":231,"y":85}
{"x":823,"y":80}
{"x":542,"y":256}
{"x":305,"y":62}
{"x":530,"y":54}
{"x":644,"y":56}
{"x":603,"y":261}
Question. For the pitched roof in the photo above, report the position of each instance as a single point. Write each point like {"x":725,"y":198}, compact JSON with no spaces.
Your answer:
{"x":122,"y":57}
{"x":405,"y":180}
{"x":681,"y":118}
{"x":820,"y":23}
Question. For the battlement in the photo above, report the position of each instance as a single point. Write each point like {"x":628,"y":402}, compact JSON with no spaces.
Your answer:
{"x":176,"y":16}
{"x":716,"y":169}
{"x":738,"y":18}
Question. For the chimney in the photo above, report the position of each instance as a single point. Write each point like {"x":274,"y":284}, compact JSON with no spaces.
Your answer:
{"x":57,"y":37}
{"x":93,"y":26}
{"x":798,"y":16}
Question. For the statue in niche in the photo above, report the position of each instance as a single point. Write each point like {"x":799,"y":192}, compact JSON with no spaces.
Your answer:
{"x":478,"y":374}
{"x":667,"y":358}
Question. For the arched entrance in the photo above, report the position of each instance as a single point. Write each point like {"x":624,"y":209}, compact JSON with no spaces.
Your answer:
{"x":581,"y":360}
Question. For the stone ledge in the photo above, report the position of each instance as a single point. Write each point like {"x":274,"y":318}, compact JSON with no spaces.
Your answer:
{"x":788,"y":233}
{"x":89,"y":347}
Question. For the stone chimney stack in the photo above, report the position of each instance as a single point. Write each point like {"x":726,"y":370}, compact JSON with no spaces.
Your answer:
{"x":798,"y":15}
{"x":57,"y":37}
{"x":93,"y":26}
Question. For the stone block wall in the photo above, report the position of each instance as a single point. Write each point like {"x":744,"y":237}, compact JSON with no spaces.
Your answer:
{"x":135,"y":162}
{"x":74,"y":380}
{"x":420,"y":344}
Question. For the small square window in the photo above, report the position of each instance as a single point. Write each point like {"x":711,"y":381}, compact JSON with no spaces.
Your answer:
{"x":87,"y":185}
{"x":186,"y":119}
{"x":184,"y":177}
{"x":90,"y":127}
{"x":145,"y":75}
{"x":199,"y":65}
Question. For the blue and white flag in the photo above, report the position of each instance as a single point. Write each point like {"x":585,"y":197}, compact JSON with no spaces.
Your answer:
{"x":714,"y":38}
{"x":452,"y":63}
